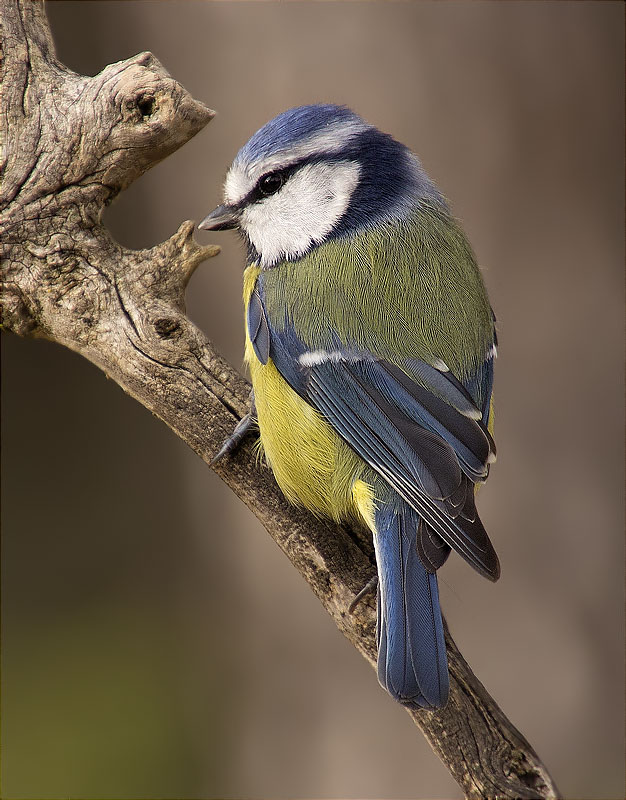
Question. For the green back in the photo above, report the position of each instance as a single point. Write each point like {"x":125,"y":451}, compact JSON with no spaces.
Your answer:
{"x":404,"y":290}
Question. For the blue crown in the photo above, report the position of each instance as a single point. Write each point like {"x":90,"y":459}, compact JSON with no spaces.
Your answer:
{"x":292,"y":126}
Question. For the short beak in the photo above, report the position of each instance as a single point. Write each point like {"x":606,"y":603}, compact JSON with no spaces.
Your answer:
{"x":223,"y":218}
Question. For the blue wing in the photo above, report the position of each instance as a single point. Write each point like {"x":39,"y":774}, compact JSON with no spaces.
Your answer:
{"x":426,"y":450}
{"x":418,"y":427}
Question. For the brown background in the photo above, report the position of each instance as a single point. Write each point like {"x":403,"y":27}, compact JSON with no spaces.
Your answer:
{"x":155,"y":641}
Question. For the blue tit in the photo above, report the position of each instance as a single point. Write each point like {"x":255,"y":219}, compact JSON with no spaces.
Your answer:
{"x":370,"y":343}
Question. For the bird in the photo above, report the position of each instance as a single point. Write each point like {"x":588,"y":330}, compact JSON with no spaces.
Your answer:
{"x":370,"y":343}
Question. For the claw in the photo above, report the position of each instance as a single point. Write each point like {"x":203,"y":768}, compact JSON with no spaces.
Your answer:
{"x":369,"y":587}
{"x":242,"y":429}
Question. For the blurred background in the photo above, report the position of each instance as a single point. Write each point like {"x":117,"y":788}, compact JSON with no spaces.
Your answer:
{"x":156,"y":643}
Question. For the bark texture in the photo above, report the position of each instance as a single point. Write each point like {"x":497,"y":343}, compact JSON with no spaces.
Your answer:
{"x":69,"y":145}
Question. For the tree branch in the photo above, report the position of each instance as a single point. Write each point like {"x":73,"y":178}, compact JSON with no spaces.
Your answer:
{"x":70,"y":144}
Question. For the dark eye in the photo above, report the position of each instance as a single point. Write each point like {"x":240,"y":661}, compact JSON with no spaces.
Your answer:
{"x":270,"y":183}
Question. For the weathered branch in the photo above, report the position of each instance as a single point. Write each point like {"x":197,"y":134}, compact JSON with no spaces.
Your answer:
{"x":70,"y":144}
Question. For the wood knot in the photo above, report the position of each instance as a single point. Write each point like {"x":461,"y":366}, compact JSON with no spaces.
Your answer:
{"x":143,"y":102}
{"x":166,"y":327}
{"x":146,"y":104}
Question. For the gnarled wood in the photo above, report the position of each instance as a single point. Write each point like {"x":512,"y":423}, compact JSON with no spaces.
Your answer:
{"x":70,"y":144}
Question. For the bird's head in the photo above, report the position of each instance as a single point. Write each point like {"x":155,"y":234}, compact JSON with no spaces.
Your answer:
{"x":313,"y":173}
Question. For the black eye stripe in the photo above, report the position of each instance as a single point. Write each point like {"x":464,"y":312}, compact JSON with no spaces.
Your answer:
{"x":281,"y":174}
{"x":255,"y":194}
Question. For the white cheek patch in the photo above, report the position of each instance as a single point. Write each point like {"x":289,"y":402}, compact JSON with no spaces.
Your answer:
{"x":303,"y":212}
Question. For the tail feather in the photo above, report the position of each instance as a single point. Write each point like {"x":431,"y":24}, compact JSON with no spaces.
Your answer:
{"x":412,"y":662}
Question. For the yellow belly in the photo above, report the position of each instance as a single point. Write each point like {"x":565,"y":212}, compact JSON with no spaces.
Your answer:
{"x":311,"y":464}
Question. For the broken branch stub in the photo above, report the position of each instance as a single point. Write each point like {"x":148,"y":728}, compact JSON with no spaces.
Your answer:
{"x":70,"y":144}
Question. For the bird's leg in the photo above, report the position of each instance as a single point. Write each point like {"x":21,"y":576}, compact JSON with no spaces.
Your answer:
{"x":242,"y":429}
{"x":369,"y":587}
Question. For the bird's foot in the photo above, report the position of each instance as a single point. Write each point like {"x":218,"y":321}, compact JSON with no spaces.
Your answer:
{"x":369,"y":587}
{"x":242,"y":429}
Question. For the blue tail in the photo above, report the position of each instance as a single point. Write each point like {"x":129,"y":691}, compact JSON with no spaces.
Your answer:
{"x":412,"y":663}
